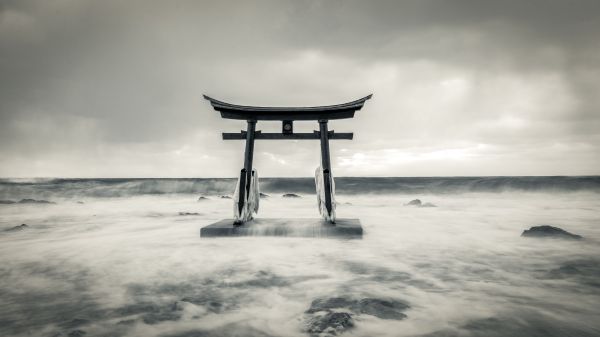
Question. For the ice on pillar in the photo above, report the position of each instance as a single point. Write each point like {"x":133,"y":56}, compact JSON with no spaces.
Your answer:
{"x":319,"y":183}
{"x":251,"y":201}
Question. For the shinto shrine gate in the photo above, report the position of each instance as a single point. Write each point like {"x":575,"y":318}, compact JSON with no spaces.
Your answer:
{"x":247,"y":196}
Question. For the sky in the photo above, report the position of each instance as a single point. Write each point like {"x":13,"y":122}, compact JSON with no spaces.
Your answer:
{"x":460,"y":88}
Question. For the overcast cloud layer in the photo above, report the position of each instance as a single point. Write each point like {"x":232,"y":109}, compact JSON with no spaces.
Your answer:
{"x":114,"y":88}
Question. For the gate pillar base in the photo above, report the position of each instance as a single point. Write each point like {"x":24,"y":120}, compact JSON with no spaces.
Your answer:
{"x":343,"y":228}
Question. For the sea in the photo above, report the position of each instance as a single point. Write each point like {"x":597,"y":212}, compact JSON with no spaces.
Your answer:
{"x":124,"y":257}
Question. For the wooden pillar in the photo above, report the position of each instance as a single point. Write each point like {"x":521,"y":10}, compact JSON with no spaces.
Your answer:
{"x":246,"y":173}
{"x":325,"y":163}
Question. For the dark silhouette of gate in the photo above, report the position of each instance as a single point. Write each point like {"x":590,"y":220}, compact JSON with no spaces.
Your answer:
{"x":287,"y":116}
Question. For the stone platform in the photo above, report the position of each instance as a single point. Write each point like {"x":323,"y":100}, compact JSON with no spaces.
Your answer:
{"x":343,"y":228}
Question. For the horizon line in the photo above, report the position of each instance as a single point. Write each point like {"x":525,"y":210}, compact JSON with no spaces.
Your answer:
{"x":310,"y":177}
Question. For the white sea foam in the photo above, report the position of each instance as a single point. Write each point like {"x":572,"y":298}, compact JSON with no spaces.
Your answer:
{"x":135,"y":267}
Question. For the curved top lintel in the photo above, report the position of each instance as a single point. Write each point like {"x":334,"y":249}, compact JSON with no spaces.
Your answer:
{"x":354,"y":105}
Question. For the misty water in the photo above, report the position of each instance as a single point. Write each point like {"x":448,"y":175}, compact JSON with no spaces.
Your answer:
{"x":133,"y":264}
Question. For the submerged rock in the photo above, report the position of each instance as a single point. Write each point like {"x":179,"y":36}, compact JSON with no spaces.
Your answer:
{"x":75,"y":322}
{"x":419,"y":203}
{"x":137,"y":308}
{"x":546,"y":231}
{"x":18,"y":228}
{"x":332,"y":323}
{"x":188,"y":213}
{"x":325,"y":304}
{"x":76,"y":333}
{"x":291,"y":195}
{"x":228,"y":330}
{"x":334,"y":315}
{"x":81,"y":202}
{"x":161,"y":316}
{"x":584,"y":271}
{"x":415,"y":202}
{"x":6,"y":202}
{"x":126,"y":322}
{"x":210,"y":304}
{"x":385,"y":309}
{"x":151,"y":313}
{"x":202,"y":198}
{"x":33,"y":201}
{"x":382,"y":309}
{"x":224,"y":197}
{"x":264,"y":195}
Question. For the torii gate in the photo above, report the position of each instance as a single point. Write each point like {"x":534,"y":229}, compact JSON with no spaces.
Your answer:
{"x":287,"y":115}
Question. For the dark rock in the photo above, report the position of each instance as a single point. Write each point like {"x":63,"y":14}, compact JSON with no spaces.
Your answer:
{"x":331,"y":323}
{"x":546,"y":231}
{"x":227,"y":330}
{"x":225,"y":197}
{"x":579,"y":267}
{"x":33,"y":201}
{"x":384,"y":309}
{"x":525,"y":324}
{"x":18,"y":228}
{"x":212,"y":305}
{"x":586,"y":271}
{"x":419,"y":203}
{"x":201,"y":198}
{"x":188,"y":213}
{"x":126,"y":322}
{"x":6,"y":202}
{"x":75,"y":322}
{"x":76,"y":333}
{"x":262,"y":279}
{"x":157,"y":317}
{"x":81,"y":202}
{"x":137,"y":308}
{"x":381,"y":308}
{"x":152,"y":313}
{"x":415,"y":202}
{"x":291,"y":195}
{"x":264,"y":195}
{"x":326,"y":304}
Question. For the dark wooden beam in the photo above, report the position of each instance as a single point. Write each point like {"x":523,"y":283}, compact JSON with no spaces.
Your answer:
{"x":264,"y":135}
{"x":246,"y":112}
{"x":281,"y":116}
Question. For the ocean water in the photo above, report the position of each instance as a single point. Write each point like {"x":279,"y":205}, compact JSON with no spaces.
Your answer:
{"x":120,"y":257}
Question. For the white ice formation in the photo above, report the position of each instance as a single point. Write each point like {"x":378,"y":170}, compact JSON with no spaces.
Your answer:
{"x":251,"y":201}
{"x":321,"y":195}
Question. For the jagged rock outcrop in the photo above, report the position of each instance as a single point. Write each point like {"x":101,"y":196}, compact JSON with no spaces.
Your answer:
{"x":419,"y":203}
{"x":334,"y":315}
{"x":546,"y":231}
{"x":34,"y":201}
{"x":18,"y":228}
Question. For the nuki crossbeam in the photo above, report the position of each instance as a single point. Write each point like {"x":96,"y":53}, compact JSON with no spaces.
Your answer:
{"x":246,"y":196}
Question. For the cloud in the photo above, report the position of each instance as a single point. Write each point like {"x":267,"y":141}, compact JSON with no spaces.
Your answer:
{"x":84,"y":83}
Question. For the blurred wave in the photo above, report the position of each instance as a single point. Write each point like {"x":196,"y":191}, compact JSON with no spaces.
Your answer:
{"x":125,"y":187}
